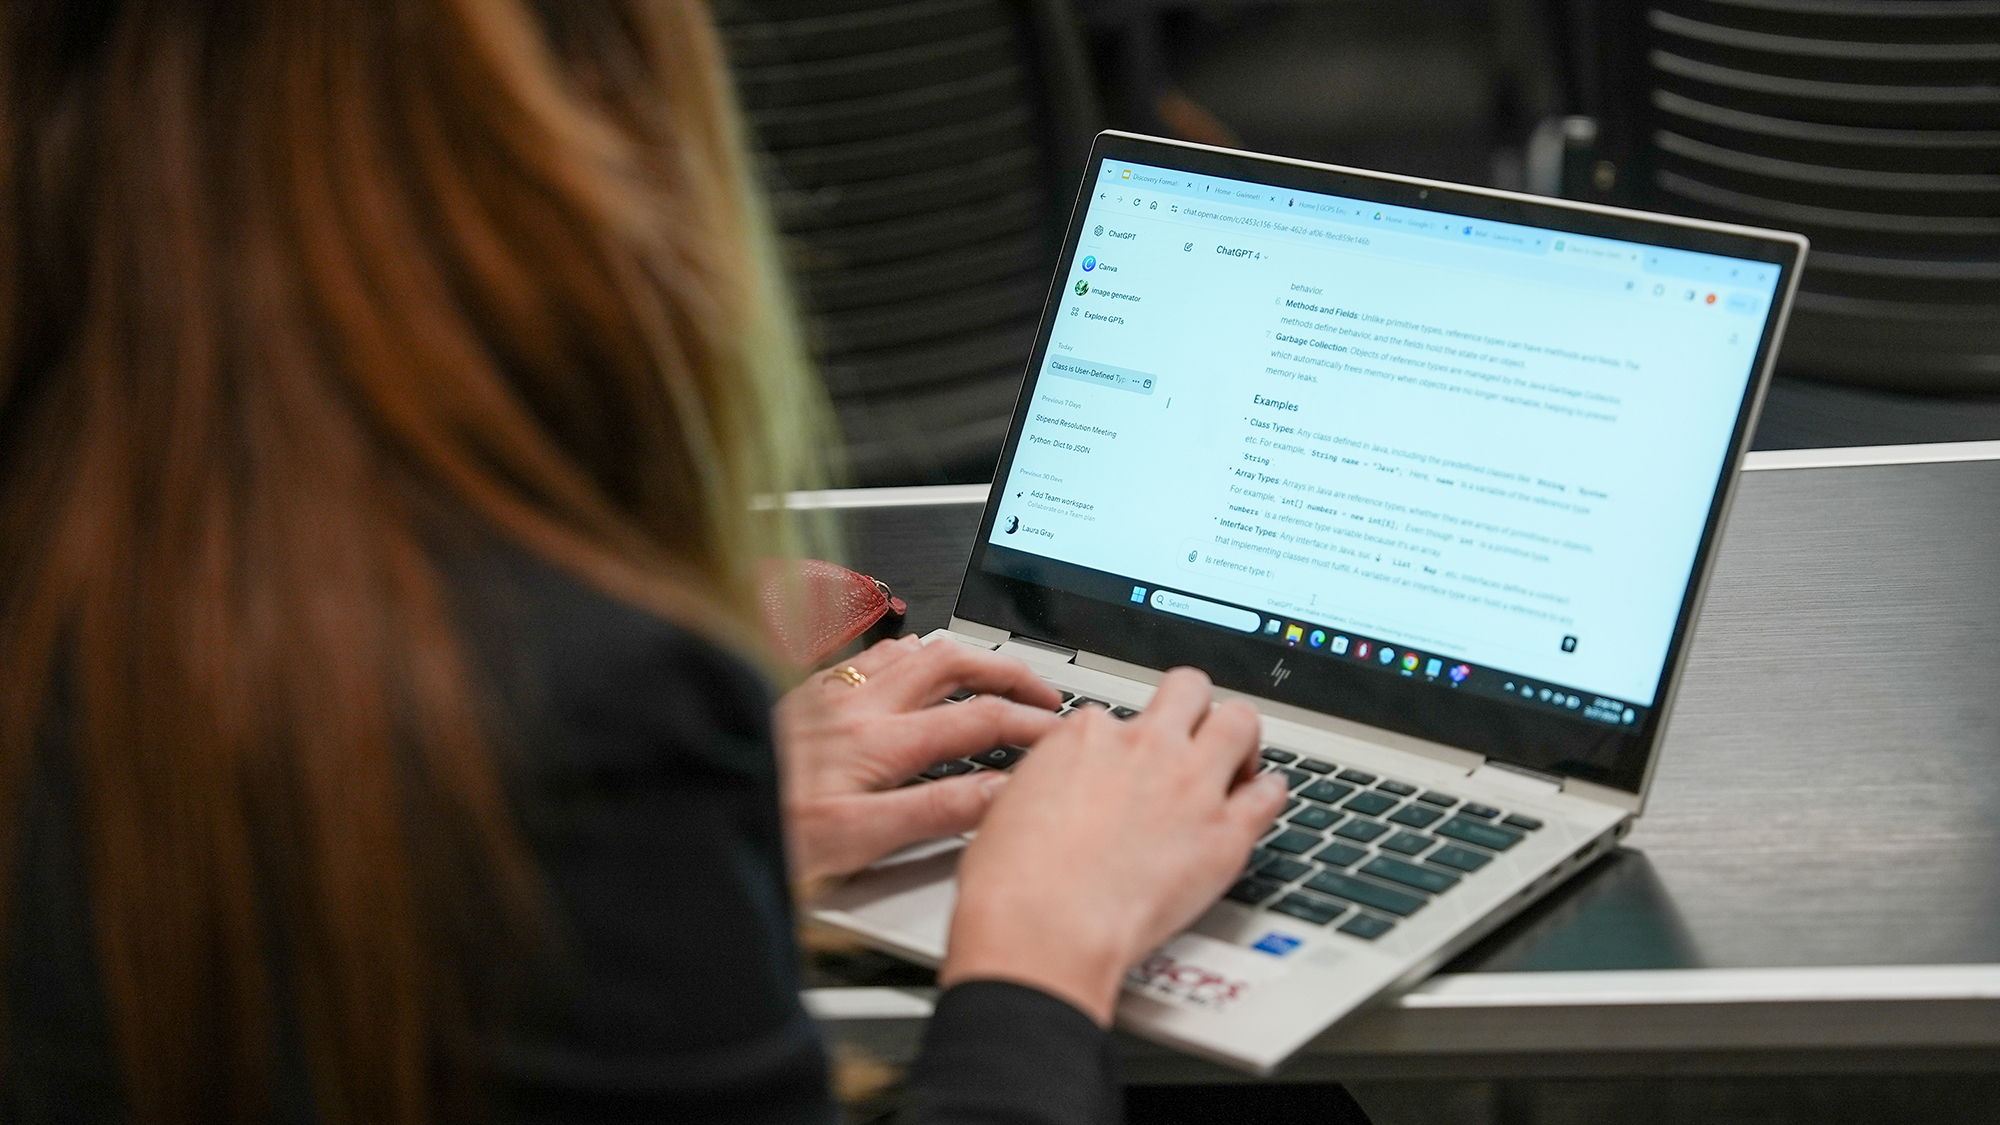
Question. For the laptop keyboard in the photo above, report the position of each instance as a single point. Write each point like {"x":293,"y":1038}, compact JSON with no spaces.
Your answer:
{"x":1349,"y":850}
{"x":1360,"y":852}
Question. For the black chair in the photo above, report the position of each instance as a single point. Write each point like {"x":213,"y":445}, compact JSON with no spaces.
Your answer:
{"x":922,"y":156}
{"x":1872,"y":126}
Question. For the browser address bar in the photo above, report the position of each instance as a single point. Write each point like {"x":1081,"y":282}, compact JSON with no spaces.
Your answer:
{"x":1403,"y":246}
{"x":1257,"y":224}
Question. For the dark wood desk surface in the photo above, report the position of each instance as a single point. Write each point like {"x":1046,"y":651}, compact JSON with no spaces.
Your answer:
{"x":1829,"y":794}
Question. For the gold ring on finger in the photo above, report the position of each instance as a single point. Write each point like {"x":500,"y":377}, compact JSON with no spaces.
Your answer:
{"x":854,"y":676}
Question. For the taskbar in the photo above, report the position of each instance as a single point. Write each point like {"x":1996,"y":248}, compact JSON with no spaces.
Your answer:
{"x":1384,"y":657}
{"x":1387,"y":658}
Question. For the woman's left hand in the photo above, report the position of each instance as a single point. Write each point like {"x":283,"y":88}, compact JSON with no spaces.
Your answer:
{"x":847,"y":748}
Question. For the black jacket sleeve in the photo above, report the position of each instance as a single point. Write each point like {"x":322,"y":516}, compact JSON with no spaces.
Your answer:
{"x":668,"y":985}
{"x":1001,"y":1054}
{"x":669,"y":988}
{"x":652,"y":804}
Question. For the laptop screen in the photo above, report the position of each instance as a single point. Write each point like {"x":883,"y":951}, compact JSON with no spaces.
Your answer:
{"x":1457,"y":455}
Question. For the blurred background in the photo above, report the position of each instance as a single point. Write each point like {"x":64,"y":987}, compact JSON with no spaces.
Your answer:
{"x":923,"y":155}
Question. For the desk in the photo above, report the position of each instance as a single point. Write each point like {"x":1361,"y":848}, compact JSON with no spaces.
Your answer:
{"x":1815,"y":885}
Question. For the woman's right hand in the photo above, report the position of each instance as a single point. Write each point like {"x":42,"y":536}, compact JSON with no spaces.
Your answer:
{"x":1110,"y":837}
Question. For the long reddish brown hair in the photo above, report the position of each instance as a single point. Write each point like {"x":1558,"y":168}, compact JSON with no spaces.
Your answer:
{"x":288,"y":290}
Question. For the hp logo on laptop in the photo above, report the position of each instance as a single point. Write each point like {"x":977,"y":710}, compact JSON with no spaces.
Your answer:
{"x":1279,"y":673}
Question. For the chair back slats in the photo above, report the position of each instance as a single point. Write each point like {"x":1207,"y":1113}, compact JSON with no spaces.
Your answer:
{"x":939,"y":361}
{"x":1913,"y":13}
{"x":1823,"y":95}
{"x":1784,"y":213}
{"x":1805,"y":175}
{"x":916,"y":152}
{"x":916,"y":107}
{"x":872,"y":200}
{"x":1872,"y":126}
{"x":1857,"y":137}
{"x":794,"y":33}
{"x":1013,"y":255}
{"x":920,"y":316}
{"x":1845,"y":50}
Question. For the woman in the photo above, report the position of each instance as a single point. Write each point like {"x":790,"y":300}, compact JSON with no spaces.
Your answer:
{"x":384,"y":388}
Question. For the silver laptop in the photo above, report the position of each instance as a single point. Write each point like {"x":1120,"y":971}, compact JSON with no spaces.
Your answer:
{"x":1433,"y":475}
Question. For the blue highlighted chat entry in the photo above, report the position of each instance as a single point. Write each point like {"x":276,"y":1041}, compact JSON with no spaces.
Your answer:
{"x":1100,"y":374}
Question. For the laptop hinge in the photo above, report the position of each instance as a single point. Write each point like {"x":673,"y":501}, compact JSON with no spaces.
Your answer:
{"x":1602,"y":794}
{"x":1524,"y":779}
{"x":1465,"y":761}
{"x":1138,"y":673}
{"x":974,"y":631}
{"x":1036,"y":652}
{"x":1517,"y":778}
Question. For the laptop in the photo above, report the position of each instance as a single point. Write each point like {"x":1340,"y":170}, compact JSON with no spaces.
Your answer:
{"x":1433,"y":475}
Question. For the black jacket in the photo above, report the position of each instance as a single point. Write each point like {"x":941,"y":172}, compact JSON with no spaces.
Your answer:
{"x":649,"y":795}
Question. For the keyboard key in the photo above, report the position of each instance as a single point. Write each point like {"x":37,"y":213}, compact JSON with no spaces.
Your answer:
{"x":1409,"y":874}
{"x":1407,"y":843}
{"x":1311,"y":909}
{"x":1416,"y":816}
{"x":947,"y":769}
{"x":1082,"y":701}
{"x":1362,"y":830}
{"x":1483,"y":812}
{"x":1338,"y":854}
{"x":1000,"y":757}
{"x":1258,"y":857}
{"x":1293,"y":778}
{"x":1294,"y":841}
{"x":1366,"y":926}
{"x":1516,"y":820}
{"x":1316,"y":817}
{"x":1067,"y":696}
{"x":1465,"y":859}
{"x":961,"y":695}
{"x":1292,"y":803}
{"x":1316,"y":765}
{"x":1397,"y":787}
{"x":1273,"y":754}
{"x":1253,"y":890}
{"x":1122,"y":712}
{"x":1370,"y":804}
{"x":1366,"y":893}
{"x":1474,"y":832}
{"x":1282,"y":869}
{"x":1327,"y":791}
{"x":1358,"y":777}
{"x":1441,"y":800}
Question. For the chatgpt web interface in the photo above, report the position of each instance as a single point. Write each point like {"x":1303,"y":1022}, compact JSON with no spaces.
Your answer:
{"x":1279,"y":411}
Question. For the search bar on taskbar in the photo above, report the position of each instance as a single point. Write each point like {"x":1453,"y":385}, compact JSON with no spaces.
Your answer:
{"x":1227,"y":616}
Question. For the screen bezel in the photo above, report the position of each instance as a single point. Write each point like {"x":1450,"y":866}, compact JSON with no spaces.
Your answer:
{"x":1558,"y":745}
